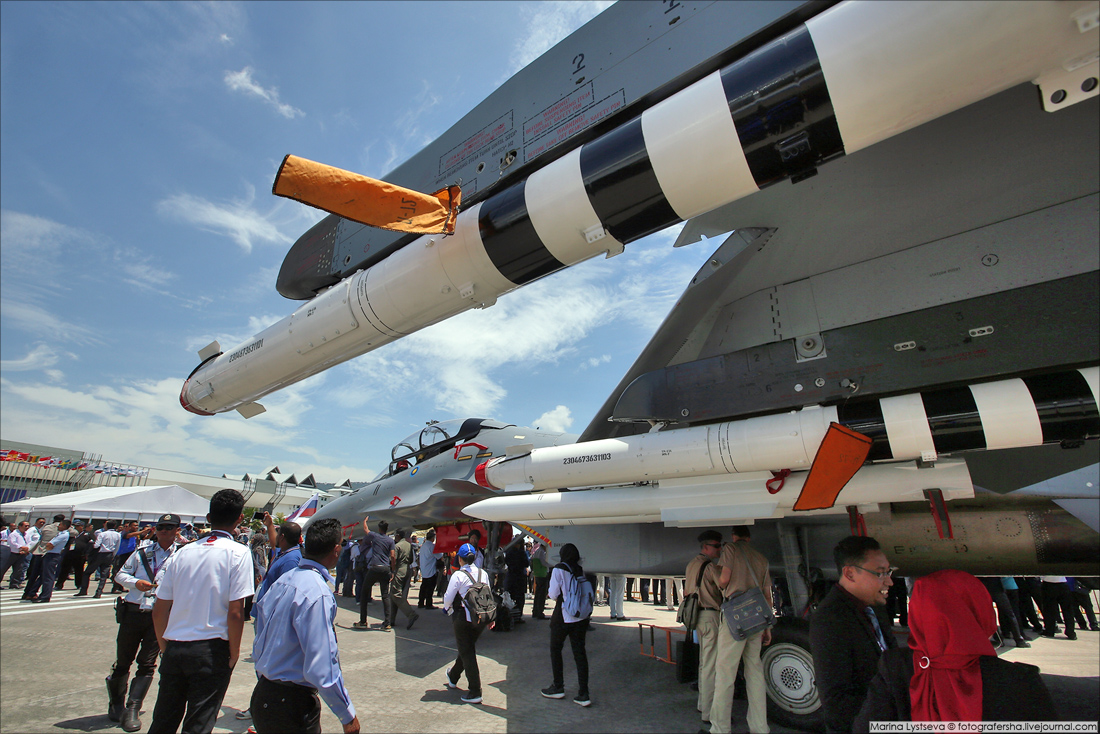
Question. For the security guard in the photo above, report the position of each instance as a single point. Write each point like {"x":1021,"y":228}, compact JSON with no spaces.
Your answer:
{"x":136,"y":636}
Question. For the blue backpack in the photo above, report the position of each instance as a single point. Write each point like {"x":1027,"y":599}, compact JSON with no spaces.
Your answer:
{"x":578,"y":596}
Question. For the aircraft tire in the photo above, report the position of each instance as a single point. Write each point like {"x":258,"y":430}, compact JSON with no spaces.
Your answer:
{"x":793,"y":699}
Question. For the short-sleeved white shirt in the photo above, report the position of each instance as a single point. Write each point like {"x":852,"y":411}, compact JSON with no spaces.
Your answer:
{"x":201,"y":579}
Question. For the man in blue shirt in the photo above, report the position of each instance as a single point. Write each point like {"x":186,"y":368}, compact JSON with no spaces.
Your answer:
{"x":55,"y":548}
{"x":295,"y":646}
{"x":288,"y":539}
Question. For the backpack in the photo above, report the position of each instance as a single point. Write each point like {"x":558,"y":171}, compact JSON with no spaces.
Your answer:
{"x":479,"y":601}
{"x":578,"y":596}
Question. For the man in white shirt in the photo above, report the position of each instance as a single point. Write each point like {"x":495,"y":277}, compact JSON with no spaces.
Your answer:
{"x":20,"y":554}
{"x":199,"y":620}
{"x":106,"y":545}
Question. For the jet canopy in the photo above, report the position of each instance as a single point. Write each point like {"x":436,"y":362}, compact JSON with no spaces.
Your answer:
{"x":434,"y":439}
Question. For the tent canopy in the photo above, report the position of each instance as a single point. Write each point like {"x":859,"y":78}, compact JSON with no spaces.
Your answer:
{"x":144,"y":504}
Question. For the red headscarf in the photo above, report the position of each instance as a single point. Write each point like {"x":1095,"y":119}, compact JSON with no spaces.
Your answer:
{"x":950,"y":621}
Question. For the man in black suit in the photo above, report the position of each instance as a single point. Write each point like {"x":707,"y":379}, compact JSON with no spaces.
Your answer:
{"x":846,"y":634}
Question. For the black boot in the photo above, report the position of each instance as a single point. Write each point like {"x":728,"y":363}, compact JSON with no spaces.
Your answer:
{"x":139,"y":686}
{"x":116,"y":695}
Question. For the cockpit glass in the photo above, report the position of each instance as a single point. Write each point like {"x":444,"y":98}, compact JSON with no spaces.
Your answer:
{"x":426,"y":437}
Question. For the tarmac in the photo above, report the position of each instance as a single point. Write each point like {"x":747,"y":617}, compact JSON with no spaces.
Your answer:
{"x":54,"y":657}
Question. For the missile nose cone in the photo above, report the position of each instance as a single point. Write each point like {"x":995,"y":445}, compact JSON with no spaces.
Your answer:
{"x":186,"y":402}
{"x":479,"y":475}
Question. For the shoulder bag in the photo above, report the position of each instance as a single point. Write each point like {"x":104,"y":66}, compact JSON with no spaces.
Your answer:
{"x":748,"y":612}
{"x":691,"y":606}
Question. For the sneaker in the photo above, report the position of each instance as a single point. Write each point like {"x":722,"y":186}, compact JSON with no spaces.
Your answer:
{"x":583,"y":699}
{"x":448,"y":682}
{"x":1022,"y":643}
{"x":360,"y":625}
{"x":471,"y":698}
{"x":386,"y":628}
{"x":242,"y":715}
{"x":553,"y":692}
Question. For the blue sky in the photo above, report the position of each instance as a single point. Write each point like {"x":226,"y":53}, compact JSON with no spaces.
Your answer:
{"x":139,"y":143}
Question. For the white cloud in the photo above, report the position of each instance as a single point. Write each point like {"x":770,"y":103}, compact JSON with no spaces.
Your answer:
{"x":143,"y":419}
{"x":557,"y":420}
{"x":546,"y":23}
{"x":242,"y":81}
{"x":41,"y":357}
{"x":140,"y":272}
{"x":237,"y":220}
{"x":37,"y":320}
{"x":595,"y":361}
{"x":454,"y":363}
{"x":29,"y":240}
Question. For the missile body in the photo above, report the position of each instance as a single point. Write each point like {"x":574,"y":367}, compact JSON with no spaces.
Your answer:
{"x":689,"y":502}
{"x":849,"y":77}
{"x":1026,"y":411}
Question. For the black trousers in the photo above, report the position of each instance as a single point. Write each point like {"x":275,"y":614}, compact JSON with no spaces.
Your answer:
{"x":380,"y":575}
{"x":575,"y":631}
{"x":193,"y":679}
{"x":1083,"y":600}
{"x":115,"y":568}
{"x":1030,"y":592}
{"x":538,"y":604}
{"x":517,"y":587}
{"x":102,"y":563}
{"x":466,"y":634}
{"x":1057,"y":596}
{"x":74,"y":564}
{"x":427,"y":587}
{"x":279,"y":708}
{"x":34,"y":576}
{"x":136,"y":639}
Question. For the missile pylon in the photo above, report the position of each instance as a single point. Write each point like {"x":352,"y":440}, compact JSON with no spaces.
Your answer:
{"x":1026,"y":411}
{"x":849,"y":77}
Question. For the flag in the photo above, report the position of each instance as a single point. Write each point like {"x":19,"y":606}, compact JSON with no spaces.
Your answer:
{"x":307,"y":509}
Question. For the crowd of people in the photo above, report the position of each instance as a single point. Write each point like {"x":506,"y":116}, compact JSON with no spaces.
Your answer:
{"x":187,"y":592}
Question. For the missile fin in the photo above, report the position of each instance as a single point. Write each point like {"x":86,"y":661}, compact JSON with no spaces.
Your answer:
{"x":210,"y":350}
{"x":251,"y":410}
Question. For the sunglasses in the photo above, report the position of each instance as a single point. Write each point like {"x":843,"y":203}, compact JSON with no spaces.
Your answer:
{"x":166,"y":527}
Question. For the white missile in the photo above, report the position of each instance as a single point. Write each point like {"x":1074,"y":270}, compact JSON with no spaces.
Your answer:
{"x":704,"y":501}
{"x":854,"y":75}
{"x":1026,"y":411}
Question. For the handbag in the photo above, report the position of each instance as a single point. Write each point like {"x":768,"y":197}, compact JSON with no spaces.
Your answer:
{"x":748,"y":612}
{"x":688,"y":615}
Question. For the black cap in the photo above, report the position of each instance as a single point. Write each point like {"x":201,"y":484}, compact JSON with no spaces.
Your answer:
{"x":169,"y":519}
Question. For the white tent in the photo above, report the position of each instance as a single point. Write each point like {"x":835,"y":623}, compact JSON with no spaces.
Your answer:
{"x":144,"y":504}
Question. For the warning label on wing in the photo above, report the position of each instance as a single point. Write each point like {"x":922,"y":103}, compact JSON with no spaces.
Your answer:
{"x":573,"y":125}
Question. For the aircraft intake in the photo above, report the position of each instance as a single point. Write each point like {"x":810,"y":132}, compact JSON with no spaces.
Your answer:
{"x":851,"y":76}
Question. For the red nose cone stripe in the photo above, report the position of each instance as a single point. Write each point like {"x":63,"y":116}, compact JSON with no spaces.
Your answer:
{"x":186,"y":405}
{"x":479,"y":475}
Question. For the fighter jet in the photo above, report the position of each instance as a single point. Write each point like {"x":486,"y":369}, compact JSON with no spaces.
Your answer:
{"x":429,"y":479}
{"x":908,"y":202}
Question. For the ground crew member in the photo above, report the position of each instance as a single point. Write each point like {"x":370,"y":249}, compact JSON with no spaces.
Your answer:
{"x":136,"y":636}
{"x":702,"y":576}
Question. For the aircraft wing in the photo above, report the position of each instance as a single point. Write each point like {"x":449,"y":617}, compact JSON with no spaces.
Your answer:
{"x":907,"y":265}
